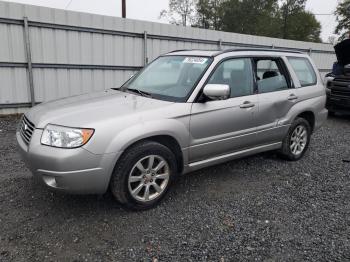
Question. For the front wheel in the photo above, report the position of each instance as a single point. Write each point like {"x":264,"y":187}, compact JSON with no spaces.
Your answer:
{"x":297,"y":140}
{"x":143,"y":175}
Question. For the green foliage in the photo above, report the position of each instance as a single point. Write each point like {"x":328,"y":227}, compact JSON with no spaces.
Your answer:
{"x":255,"y":17}
{"x":273,"y":18}
{"x":343,"y":18}
{"x":288,"y":20}
{"x":302,"y":26}
{"x":209,"y":14}
{"x":298,"y":24}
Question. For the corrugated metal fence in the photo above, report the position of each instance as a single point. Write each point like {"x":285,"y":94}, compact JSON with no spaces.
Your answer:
{"x":50,"y":53}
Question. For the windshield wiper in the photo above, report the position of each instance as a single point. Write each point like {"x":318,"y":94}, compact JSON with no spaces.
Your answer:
{"x":142,"y":93}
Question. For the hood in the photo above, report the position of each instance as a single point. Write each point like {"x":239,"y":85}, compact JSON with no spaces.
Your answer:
{"x":85,"y":110}
{"x":342,"y":51}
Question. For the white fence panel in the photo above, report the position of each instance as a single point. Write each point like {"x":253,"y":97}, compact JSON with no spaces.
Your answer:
{"x":74,"y":53}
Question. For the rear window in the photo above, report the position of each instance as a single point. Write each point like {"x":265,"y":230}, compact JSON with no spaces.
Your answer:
{"x":304,"y":70}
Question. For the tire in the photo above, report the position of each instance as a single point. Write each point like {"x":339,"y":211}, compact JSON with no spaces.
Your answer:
{"x":132,"y":174}
{"x":289,"y":152}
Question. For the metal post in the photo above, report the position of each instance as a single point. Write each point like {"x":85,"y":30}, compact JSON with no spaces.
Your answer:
{"x":310,"y":51}
{"x":220,"y":44}
{"x":29,"y":60}
{"x":145,"y":58}
{"x":123,"y":9}
{"x":273,"y":46}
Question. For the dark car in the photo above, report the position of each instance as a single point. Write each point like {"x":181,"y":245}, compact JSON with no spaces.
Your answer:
{"x":338,"y":84}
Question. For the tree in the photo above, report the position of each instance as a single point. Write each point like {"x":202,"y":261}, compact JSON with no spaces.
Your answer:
{"x":286,"y":19}
{"x":180,"y":12}
{"x":332,"y":40}
{"x":303,"y":26}
{"x":256,"y":17}
{"x":343,"y":18}
{"x":209,"y":14}
{"x":297,"y":23}
{"x":289,"y":9}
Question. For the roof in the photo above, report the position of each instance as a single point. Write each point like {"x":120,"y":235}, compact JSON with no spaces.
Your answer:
{"x":213,"y":53}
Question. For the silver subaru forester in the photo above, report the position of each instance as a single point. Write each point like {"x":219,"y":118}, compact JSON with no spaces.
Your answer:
{"x":184,"y":111}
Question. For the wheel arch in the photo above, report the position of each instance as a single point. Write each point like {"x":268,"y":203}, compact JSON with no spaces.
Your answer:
{"x":309,"y":116}
{"x":165,"y":140}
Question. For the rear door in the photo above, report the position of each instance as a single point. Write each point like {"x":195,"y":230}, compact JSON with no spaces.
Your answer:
{"x":223,"y":126}
{"x":276,"y":96}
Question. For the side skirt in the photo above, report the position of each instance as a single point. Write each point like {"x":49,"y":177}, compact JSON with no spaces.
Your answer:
{"x":227,"y":157}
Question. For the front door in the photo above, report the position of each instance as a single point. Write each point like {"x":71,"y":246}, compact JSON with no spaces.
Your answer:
{"x":223,"y":126}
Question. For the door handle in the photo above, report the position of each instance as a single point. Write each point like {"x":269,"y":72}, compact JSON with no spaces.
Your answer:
{"x":292,"y":97}
{"x":247,"y":104}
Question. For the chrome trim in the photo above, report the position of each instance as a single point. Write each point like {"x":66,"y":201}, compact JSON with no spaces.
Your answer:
{"x":26,"y":130}
{"x":60,"y":173}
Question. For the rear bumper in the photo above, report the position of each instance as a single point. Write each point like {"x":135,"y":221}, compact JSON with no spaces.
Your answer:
{"x":76,"y":171}
{"x":321,"y":118}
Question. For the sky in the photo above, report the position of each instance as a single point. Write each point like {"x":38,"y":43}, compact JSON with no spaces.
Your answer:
{"x":149,"y":9}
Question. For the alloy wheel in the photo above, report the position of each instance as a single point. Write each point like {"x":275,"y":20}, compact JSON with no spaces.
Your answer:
{"x":148,"y":178}
{"x":298,"y":140}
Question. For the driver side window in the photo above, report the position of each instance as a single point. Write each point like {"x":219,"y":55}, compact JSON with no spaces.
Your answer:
{"x":237,"y":73}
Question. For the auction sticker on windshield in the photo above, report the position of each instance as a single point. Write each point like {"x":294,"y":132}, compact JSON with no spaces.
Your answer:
{"x":195,"y":60}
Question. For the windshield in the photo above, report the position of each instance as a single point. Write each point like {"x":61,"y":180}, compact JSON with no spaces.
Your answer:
{"x":170,"y":77}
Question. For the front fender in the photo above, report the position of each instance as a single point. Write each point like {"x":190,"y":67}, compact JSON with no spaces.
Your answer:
{"x":171,"y":127}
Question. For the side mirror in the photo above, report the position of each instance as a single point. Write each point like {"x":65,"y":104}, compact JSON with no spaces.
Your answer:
{"x":217,"y":92}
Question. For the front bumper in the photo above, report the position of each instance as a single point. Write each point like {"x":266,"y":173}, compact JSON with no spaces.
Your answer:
{"x":76,"y":171}
{"x":337,"y":103}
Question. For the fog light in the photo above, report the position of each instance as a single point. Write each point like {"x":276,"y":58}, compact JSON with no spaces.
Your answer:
{"x":50,"y":181}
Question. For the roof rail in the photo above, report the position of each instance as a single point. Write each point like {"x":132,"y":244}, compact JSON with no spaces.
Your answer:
{"x":219,"y":52}
{"x":258,"y":49}
{"x":179,"y":50}
{"x":203,"y":50}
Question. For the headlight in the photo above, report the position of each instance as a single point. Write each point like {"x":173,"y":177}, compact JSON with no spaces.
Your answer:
{"x":65,"y":137}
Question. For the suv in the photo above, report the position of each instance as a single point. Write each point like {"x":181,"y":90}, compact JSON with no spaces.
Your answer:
{"x":338,"y":82}
{"x":185,"y":111}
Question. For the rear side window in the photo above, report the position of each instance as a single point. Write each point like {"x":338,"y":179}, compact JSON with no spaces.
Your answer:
{"x":270,"y":75}
{"x":304,"y":70}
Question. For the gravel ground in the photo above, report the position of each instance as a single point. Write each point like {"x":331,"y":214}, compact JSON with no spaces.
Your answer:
{"x":258,"y":208}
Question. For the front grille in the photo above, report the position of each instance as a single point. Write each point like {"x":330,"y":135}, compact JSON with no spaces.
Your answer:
{"x":345,"y":93}
{"x":347,"y":70}
{"x":341,"y":81}
{"x":340,"y":86}
{"x":26,"y":129}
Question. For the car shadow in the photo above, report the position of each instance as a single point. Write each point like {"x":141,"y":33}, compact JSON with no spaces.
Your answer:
{"x":340,"y":116}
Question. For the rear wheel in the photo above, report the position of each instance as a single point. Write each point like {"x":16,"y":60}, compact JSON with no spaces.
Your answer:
{"x":143,"y":175}
{"x":297,"y":140}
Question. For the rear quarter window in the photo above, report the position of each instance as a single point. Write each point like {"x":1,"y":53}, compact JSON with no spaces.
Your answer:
{"x":304,"y":71}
